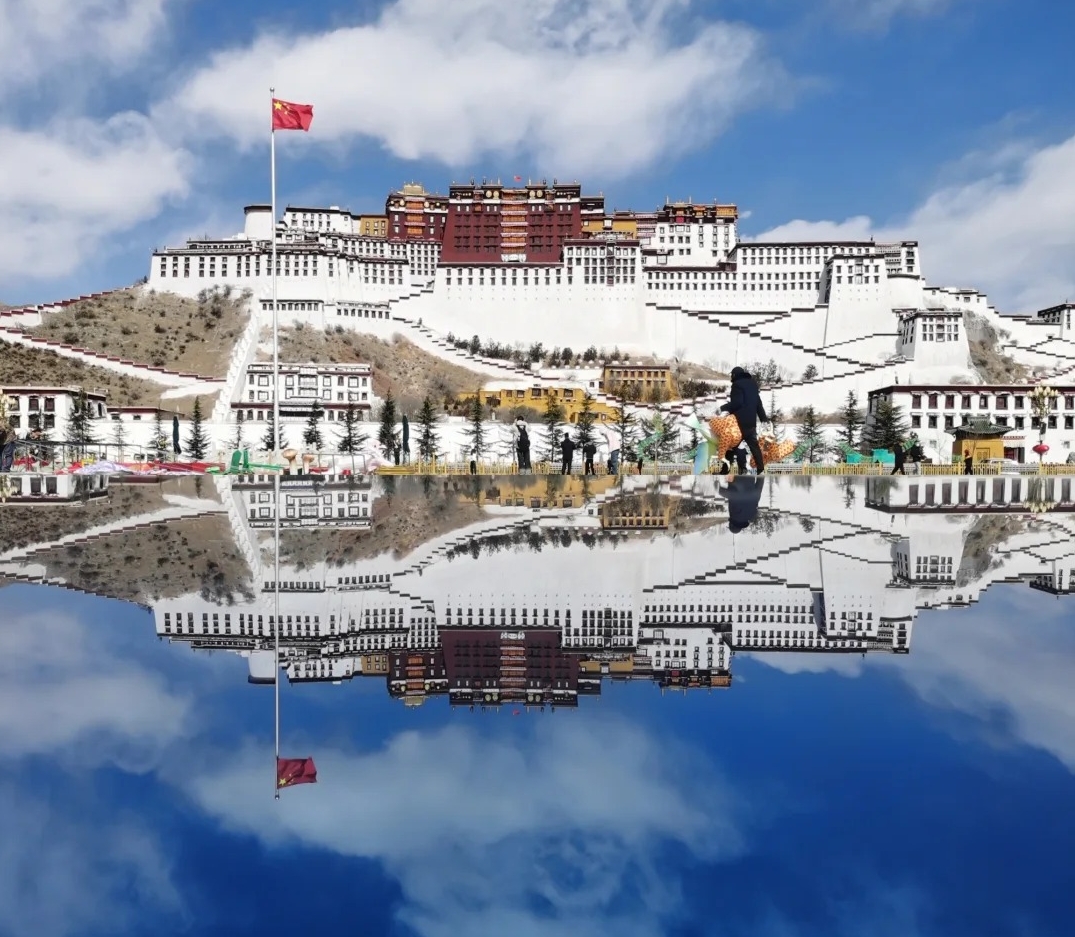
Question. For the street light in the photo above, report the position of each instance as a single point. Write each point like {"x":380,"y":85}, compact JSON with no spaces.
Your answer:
{"x":1041,"y":403}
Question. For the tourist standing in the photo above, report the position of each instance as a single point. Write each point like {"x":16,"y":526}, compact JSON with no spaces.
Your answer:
{"x":588,"y":453}
{"x":745,"y":405}
{"x":968,"y":462}
{"x":523,"y":449}
{"x":567,"y":450}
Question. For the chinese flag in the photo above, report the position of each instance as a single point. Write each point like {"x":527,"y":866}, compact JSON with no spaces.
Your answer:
{"x":288,"y":116}
{"x":518,"y":178}
{"x":292,"y":771}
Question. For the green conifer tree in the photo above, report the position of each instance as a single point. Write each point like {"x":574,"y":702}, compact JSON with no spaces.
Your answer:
{"x":427,"y":434}
{"x":198,"y":440}
{"x":311,"y":435}
{"x":552,"y":419}
{"x":386,"y":435}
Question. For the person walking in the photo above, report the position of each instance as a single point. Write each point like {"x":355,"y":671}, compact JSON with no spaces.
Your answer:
{"x":745,"y":405}
{"x":897,"y":451}
{"x":588,"y":453}
{"x":567,"y":450}
{"x":968,"y":462}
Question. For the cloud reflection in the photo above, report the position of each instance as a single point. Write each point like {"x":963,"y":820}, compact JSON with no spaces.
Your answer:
{"x":1006,"y":663}
{"x":64,"y":689}
{"x":561,"y":826}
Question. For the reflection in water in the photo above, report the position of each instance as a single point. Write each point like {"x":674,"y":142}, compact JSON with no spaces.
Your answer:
{"x":531,"y":591}
{"x":127,"y":757}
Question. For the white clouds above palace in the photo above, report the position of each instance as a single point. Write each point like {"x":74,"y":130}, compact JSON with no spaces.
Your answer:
{"x":577,"y":88}
{"x":1007,"y":231}
{"x":585,"y":89}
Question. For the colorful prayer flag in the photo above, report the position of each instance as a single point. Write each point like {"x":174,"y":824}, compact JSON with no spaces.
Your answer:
{"x":292,"y":771}
{"x":288,"y":116}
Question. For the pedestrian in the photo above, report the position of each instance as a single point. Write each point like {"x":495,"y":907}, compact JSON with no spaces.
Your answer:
{"x":588,"y":453}
{"x":614,"y":462}
{"x":567,"y":450}
{"x":523,"y":449}
{"x":640,"y":457}
{"x":745,"y":405}
{"x":968,"y":462}
{"x":897,"y":451}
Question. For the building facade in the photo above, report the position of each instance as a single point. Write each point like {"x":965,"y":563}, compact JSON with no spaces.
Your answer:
{"x":936,"y":411}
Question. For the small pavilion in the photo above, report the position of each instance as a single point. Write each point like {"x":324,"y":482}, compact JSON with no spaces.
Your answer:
{"x":982,"y":438}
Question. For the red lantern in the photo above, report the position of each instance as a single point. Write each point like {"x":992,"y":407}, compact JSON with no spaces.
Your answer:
{"x":1041,"y":448}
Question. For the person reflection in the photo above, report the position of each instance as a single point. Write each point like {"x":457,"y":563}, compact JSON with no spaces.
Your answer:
{"x":743,"y":496}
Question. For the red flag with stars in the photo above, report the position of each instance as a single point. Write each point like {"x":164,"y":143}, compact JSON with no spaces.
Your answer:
{"x":292,"y":771}
{"x":288,"y":116}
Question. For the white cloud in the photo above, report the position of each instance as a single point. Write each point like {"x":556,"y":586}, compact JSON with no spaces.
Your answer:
{"x":37,"y":37}
{"x":478,"y":831}
{"x":64,"y":871}
{"x":63,"y":692}
{"x":878,"y":14}
{"x":1013,"y":660}
{"x":1007,"y":231}
{"x":577,"y":86}
{"x":73,"y":185}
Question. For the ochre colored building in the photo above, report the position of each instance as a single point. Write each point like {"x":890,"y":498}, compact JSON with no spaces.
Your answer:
{"x":413,"y":214}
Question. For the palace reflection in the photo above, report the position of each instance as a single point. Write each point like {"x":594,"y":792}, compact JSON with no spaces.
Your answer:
{"x":531,"y":591}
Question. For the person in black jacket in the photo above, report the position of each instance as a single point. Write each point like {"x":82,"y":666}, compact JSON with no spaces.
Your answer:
{"x":897,"y":451}
{"x":745,"y":406}
{"x":567,"y":449}
{"x":588,"y":453}
{"x":743,"y":496}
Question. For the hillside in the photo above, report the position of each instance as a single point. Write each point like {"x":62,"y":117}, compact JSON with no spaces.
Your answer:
{"x":992,"y":366}
{"x":159,"y":329}
{"x":399,"y":365}
{"x":22,"y":365}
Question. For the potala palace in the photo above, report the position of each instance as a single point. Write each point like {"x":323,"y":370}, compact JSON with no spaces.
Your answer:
{"x":541,"y":263}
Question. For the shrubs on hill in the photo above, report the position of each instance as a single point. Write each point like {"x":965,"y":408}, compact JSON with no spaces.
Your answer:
{"x":158,"y":329}
{"x":534,"y":354}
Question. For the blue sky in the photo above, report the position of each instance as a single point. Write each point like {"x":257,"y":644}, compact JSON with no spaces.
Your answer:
{"x":918,"y":796}
{"x":127,"y":124}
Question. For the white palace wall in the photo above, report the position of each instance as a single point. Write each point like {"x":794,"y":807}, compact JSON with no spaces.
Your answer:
{"x":832,"y":307}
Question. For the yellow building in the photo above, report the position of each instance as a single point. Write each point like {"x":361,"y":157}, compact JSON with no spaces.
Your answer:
{"x":541,"y":491}
{"x":983,"y":440}
{"x":373,"y":226}
{"x":642,"y":375}
{"x":570,"y":398}
{"x":624,"y":224}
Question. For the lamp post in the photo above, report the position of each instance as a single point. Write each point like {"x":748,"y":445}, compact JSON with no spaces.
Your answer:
{"x":1041,"y":403}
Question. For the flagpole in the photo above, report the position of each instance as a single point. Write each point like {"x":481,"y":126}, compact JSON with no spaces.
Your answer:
{"x":275,"y":449}
{"x":275,"y":316}
{"x":276,"y":631}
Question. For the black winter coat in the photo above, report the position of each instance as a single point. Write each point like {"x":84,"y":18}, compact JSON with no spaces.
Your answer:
{"x":745,"y":404}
